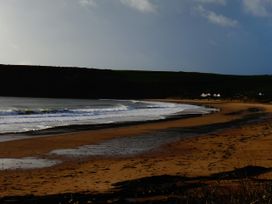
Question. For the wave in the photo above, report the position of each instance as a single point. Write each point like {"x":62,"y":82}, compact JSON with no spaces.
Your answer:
{"x":85,"y":110}
{"x":112,"y":111}
{"x":60,"y":111}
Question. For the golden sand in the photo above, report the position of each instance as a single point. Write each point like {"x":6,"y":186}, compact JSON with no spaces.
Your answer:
{"x":226,"y":149}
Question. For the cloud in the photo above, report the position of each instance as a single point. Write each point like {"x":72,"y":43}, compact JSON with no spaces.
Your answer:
{"x":87,"y":3}
{"x":221,"y":20}
{"x":144,"y":6}
{"x":261,"y":8}
{"x":217,"y":19}
{"x":222,"y":2}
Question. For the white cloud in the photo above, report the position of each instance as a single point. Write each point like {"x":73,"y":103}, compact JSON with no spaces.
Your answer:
{"x":221,"y":20}
{"x":261,"y":8}
{"x":87,"y":3}
{"x":222,"y":2}
{"x":140,"y":5}
{"x":217,"y":19}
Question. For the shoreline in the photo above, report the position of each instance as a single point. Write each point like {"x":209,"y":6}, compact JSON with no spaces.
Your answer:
{"x":71,"y":139}
{"x":75,"y":128}
{"x":79,"y":128}
{"x":213,"y":152}
{"x":89,"y":119}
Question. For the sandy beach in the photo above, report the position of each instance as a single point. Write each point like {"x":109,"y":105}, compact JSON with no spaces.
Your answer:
{"x":239,"y":135}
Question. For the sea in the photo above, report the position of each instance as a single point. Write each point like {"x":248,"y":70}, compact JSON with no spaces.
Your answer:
{"x":19,"y":115}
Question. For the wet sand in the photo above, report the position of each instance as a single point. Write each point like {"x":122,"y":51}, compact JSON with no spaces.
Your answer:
{"x":239,"y":135}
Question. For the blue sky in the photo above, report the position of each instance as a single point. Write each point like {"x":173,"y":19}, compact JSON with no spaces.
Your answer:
{"x":222,"y":36}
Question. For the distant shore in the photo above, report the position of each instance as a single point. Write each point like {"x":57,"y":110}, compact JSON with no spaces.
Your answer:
{"x":239,"y":135}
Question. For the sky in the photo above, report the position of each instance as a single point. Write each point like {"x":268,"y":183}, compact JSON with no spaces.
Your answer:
{"x":219,"y":36}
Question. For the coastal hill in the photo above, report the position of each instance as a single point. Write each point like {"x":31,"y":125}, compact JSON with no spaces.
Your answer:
{"x":71,"y":82}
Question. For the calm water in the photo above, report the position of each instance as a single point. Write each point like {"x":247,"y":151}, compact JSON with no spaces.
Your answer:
{"x":19,"y":115}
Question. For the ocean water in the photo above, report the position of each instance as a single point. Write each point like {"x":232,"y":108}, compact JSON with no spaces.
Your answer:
{"x":18,"y":115}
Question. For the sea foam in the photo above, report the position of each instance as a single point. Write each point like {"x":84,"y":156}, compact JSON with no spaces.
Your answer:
{"x":19,"y":115}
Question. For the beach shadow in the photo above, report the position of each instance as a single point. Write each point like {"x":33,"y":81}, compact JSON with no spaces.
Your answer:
{"x":241,"y":173}
{"x":158,"y":189}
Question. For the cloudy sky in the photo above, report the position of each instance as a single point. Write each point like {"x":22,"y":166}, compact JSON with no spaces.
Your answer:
{"x":222,"y":36}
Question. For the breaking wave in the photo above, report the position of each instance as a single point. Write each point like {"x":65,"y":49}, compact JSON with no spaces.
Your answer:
{"x":41,"y":114}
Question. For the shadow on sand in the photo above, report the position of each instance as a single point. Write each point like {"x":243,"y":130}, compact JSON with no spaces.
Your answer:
{"x":237,"y":186}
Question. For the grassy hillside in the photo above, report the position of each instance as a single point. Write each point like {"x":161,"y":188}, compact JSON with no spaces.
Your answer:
{"x":37,"y":81}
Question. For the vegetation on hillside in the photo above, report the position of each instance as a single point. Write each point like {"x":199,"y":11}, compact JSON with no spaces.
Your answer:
{"x":39,"y":81}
